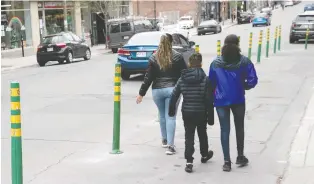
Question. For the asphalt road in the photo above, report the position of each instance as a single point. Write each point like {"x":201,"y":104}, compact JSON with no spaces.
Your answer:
{"x":67,"y":113}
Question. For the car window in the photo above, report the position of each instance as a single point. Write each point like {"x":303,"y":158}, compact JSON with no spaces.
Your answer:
{"x":176,"y":39}
{"x":76,"y":38}
{"x":52,"y":40}
{"x":185,"y":18}
{"x":305,"y":18}
{"x":142,"y":25}
{"x":126,"y":26}
{"x":209,"y":22}
{"x":115,"y":28}
{"x":183,"y":41}
{"x":68,"y":37}
{"x":146,"y":38}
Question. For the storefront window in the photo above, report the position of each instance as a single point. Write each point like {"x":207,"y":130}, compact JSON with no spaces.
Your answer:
{"x":52,"y":18}
{"x":15,"y":24}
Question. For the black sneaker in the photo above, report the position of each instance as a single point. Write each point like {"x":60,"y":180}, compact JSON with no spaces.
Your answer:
{"x":189,"y":168}
{"x":170,"y":150}
{"x":164,"y":143}
{"x":227,"y":166}
{"x":209,"y":156}
{"x":242,"y":161}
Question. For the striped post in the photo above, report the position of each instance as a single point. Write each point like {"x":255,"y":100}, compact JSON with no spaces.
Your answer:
{"x":16,"y":135}
{"x":267,"y":43}
{"x":116,"y":116}
{"x":260,"y":39}
{"x":275,"y":40}
{"x":306,"y":38}
{"x":250,"y":45}
{"x":279,"y":38}
{"x":197,"y":48}
{"x":218,"y":48}
{"x":239,"y":41}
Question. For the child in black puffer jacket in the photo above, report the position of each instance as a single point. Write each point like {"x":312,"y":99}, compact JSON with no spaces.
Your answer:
{"x":197,"y":108}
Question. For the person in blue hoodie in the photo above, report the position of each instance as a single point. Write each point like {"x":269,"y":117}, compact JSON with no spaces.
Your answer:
{"x":231,"y":74}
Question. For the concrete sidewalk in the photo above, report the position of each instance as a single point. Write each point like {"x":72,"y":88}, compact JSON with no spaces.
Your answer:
{"x":21,"y":62}
{"x":301,"y":160}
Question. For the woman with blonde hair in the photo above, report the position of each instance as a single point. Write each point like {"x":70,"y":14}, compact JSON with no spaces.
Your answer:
{"x":164,"y":70}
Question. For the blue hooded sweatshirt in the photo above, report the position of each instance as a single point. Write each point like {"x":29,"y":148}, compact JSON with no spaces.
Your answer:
{"x":230,"y":80}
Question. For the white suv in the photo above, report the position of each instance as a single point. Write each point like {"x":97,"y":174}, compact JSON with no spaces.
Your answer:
{"x":186,"y":22}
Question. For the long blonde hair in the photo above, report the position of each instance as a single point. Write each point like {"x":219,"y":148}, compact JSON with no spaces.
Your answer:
{"x":164,"y":53}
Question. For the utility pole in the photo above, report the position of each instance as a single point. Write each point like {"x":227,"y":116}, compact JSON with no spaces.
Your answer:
{"x":155,"y":13}
{"x":65,"y":12}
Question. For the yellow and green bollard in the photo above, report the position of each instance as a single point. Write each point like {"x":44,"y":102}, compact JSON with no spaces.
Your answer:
{"x":239,"y":41}
{"x":197,"y":48}
{"x":116,"y":116}
{"x":275,"y":40}
{"x":218,"y":48}
{"x":267,"y":42}
{"x":16,"y":135}
{"x":260,"y":39}
{"x":306,"y":38}
{"x":279,"y":38}
{"x":250,"y":45}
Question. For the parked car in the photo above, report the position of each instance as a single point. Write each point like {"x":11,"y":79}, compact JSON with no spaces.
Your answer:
{"x":64,"y":46}
{"x":299,"y":26}
{"x":309,"y":7}
{"x":245,"y":17}
{"x":134,"y":55}
{"x":121,"y":30}
{"x":267,"y":10}
{"x":289,"y":3}
{"x":261,"y":19}
{"x":186,"y":22}
{"x":208,"y":26}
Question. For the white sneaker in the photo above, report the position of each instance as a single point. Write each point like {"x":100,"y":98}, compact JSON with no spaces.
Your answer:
{"x":170,"y":150}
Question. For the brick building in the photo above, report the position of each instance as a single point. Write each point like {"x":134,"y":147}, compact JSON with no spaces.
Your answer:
{"x":181,"y":8}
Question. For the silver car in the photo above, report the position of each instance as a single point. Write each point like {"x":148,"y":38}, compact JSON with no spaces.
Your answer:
{"x":208,"y":26}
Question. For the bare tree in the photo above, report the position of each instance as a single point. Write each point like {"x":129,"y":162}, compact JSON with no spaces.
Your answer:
{"x":103,"y":9}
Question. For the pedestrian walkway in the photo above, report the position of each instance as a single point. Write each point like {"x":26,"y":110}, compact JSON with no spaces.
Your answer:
{"x":21,"y":62}
{"x":301,"y":161}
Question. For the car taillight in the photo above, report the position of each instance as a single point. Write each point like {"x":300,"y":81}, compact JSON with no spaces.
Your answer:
{"x":61,"y":45}
{"x":39,"y":47}
{"x":123,"y":52}
{"x":293,"y":25}
{"x":108,"y":39}
{"x":154,"y":52}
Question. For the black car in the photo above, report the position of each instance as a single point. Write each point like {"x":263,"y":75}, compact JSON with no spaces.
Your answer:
{"x":245,"y":17}
{"x":300,"y":25}
{"x":64,"y":46}
{"x":208,"y":26}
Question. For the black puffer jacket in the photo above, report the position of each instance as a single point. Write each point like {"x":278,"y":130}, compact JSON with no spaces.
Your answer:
{"x":160,"y":78}
{"x":197,"y":93}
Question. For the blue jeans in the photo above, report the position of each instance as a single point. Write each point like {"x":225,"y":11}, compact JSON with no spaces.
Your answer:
{"x":224,"y":119}
{"x":167,"y":124}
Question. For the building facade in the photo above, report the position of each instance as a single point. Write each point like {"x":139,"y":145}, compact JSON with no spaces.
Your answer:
{"x":32,"y":20}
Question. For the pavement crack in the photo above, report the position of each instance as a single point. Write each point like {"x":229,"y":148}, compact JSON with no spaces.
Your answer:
{"x":52,"y":165}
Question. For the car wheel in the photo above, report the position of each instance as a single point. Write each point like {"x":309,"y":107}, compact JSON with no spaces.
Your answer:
{"x":87,"y":55}
{"x":114,"y":50}
{"x":220,"y":29}
{"x":61,"y":61}
{"x":69,"y":58}
{"x":292,"y":40}
{"x":199,"y":34}
{"x":125,"y":75}
{"x":253,"y":25}
{"x":41,"y":63}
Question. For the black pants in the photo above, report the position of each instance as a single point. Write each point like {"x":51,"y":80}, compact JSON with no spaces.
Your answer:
{"x":224,"y":119}
{"x":194,"y":121}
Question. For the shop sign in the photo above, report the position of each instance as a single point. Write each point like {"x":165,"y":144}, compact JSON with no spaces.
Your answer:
{"x":59,"y":4}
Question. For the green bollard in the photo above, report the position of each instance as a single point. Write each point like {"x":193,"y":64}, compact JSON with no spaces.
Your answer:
{"x":275,"y":40}
{"x":16,"y":135}
{"x":306,"y":38}
{"x":197,"y":49}
{"x":279,"y":38}
{"x":259,"y":46}
{"x":116,"y":117}
{"x":267,"y":43}
{"x":250,"y":45}
{"x":239,"y":41}
{"x":218,"y":48}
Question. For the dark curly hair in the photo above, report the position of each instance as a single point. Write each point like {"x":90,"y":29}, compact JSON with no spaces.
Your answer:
{"x":231,"y":52}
